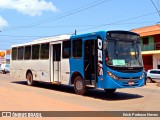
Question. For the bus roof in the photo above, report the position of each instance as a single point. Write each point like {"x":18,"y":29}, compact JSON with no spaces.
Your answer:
{"x":100,"y":33}
{"x":88,"y":34}
{"x":65,"y":37}
{"x":45,"y":40}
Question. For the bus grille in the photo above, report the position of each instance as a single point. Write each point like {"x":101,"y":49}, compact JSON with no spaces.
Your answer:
{"x":127,"y":79}
{"x":125,"y":84}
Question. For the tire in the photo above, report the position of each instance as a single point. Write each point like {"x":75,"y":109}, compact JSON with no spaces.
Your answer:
{"x":149,"y":80}
{"x":79,"y":85}
{"x":29,"y":78}
{"x":110,"y":91}
{"x":3,"y":71}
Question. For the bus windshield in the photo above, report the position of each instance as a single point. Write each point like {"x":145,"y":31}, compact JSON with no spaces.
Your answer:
{"x":123,"y":53}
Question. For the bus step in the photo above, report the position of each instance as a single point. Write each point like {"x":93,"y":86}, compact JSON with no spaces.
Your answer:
{"x":93,"y":82}
{"x":93,"y":76}
{"x":90,"y":86}
{"x":90,"y":82}
{"x":56,"y":82}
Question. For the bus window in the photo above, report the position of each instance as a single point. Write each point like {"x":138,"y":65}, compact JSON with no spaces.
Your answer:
{"x":20,"y":53}
{"x":27,"y":53}
{"x":35,"y":51}
{"x":57,"y":52}
{"x":14,"y":53}
{"x":77,"y":48}
{"x":45,"y":51}
{"x":66,"y":49}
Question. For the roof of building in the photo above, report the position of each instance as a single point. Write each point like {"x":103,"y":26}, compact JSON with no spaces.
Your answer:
{"x":148,"y":31}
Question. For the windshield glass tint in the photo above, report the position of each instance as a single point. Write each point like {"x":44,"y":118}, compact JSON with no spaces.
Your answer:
{"x":123,"y":53}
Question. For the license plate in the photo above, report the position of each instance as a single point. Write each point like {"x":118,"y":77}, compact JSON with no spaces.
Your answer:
{"x":130,"y":83}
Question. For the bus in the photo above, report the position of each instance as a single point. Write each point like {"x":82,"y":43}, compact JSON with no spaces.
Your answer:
{"x":107,"y":60}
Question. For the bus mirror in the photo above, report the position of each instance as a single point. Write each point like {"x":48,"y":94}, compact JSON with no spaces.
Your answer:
{"x":105,"y":45}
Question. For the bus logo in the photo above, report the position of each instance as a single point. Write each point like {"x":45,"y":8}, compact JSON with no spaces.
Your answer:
{"x":100,"y":65}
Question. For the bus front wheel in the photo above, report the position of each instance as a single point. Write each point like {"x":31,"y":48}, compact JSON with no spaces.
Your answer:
{"x":110,"y":91}
{"x":79,"y":85}
{"x":29,"y":77}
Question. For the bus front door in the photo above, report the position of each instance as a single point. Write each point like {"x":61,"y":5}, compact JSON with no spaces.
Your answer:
{"x":90,"y":62}
{"x":55,"y":62}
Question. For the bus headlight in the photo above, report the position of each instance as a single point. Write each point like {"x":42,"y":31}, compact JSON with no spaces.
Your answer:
{"x":141,"y":76}
{"x":112,"y":76}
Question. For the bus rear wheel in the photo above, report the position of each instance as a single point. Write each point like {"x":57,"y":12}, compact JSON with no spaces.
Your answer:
{"x":29,"y":77}
{"x":79,"y":85}
{"x":110,"y":91}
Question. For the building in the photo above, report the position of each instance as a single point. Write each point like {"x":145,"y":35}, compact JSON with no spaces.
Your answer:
{"x":4,"y":56}
{"x":150,"y":41}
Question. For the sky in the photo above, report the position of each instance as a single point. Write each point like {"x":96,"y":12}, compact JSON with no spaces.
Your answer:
{"x":22,"y":21}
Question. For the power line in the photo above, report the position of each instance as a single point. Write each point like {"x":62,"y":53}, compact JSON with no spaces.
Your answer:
{"x":22,"y":36}
{"x":64,"y":26}
{"x":88,"y":6}
{"x":7,"y":42}
{"x":155,"y":7}
{"x":80,"y":9}
{"x":102,"y":25}
{"x":98,"y":26}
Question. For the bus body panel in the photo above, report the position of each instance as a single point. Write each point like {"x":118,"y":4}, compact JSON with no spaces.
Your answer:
{"x":114,"y":84}
{"x":76,"y":65}
{"x":40,"y":69}
{"x":64,"y":66}
{"x":65,"y":71}
{"x":109,"y":83}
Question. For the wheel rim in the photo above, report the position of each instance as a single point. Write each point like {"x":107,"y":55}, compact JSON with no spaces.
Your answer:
{"x":29,"y":78}
{"x":79,"y":85}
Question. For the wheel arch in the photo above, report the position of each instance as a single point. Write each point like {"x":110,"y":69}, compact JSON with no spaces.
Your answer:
{"x":74,"y":75}
{"x":29,"y":71}
{"x":149,"y":77}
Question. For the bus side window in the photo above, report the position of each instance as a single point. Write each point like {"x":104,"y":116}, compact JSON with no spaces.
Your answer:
{"x":27,"y":53}
{"x":57,"y":52}
{"x":20,"y":53}
{"x":14,"y":53}
{"x":66,"y":49}
{"x":35,"y":51}
{"x":45,"y":51}
{"x":77,"y":48}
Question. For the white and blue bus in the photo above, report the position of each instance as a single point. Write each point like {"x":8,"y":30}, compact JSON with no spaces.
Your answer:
{"x":107,"y":59}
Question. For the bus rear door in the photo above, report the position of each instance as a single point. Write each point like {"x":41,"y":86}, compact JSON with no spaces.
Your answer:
{"x":55,"y":62}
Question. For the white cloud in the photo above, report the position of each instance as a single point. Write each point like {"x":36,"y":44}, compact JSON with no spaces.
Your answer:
{"x":29,"y":7}
{"x":3,"y":23}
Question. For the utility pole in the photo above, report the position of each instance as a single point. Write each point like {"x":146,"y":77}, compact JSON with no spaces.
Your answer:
{"x":75,"y":32}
